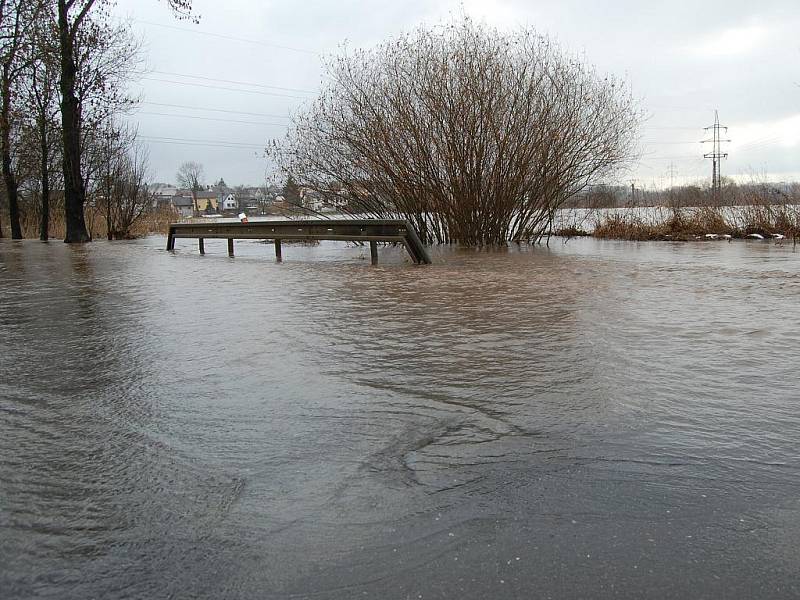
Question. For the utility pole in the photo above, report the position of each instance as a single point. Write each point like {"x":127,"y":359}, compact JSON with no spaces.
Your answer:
{"x":671,"y":173}
{"x":716,"y":155}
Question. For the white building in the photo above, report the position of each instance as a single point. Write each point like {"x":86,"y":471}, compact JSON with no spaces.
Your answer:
{"x":230,"y":202}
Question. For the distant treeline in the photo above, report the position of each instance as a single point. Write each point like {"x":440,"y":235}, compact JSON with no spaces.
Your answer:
{"x":733,"y":194}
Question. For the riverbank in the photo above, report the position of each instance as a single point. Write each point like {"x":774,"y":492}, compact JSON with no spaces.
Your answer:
{"x":686,"y":224}
{"x":780,"y":222}
{"x":150,"y":222}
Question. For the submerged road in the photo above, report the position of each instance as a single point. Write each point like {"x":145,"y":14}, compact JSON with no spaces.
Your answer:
{"x":593,"y":420}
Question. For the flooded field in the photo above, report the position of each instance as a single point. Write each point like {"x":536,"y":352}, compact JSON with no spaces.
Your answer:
{"x":596,"y":419}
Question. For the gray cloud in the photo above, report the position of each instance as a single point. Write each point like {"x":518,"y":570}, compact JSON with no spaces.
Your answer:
{"x":684,"y":59}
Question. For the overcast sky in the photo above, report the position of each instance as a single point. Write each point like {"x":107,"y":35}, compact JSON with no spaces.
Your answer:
{"x":217,"y":91}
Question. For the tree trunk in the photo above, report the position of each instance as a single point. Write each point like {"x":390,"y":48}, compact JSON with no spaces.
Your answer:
{"x":108,"y":186}
{"x":109,"y":228}
{"x":44,"y":227}
{"x":12,"y":191}
{"x":74,"y":188}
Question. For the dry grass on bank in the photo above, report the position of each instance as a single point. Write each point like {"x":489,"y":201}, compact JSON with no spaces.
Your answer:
{"x":153,"y":222}
{"x":765,"y":220}
{"x":690,"y":224}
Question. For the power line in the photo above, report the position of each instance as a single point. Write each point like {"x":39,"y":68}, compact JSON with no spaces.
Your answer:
{"x":249,"y":152}
{"x":669,"y":107}
{"x":657,"y":142}
{"x":227,"y":37}
{"x":219,"y":110}
{"x":200,"y":141}
{"x":206,"y":142}
{"x":219,"y":87}
{"x":179,"y":143}
{"x":259,"y":85}
{"x":672,"y":128}
{"x":143,"y":112}
{"x":675,"y":157}
{"x":686,"y":162}
{"x":759,"y":143}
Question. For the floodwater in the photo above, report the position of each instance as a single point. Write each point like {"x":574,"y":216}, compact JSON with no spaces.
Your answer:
{"x":593,"y":420}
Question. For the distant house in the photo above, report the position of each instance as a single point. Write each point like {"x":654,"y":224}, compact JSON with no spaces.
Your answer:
{"x":221,"y":188}
{"x":184,"y":205}
{"x":281,"y":203}
{"x":230,"y":203}
{"x":249,"y":205}
{"x":207,"y":202}
{"x":162,"y":195}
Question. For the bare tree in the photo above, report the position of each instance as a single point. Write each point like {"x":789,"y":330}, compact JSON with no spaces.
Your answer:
{"x":106,"y":158}
{"x":120,"y":173}
{"x":37,"y":170}
{"x":475,"y":136}
{"x":71,"y":16}
{"x":17,"y":18}
{"x":190,"y":176}
{"x":41,"y":96}
{"x":131,"y":195}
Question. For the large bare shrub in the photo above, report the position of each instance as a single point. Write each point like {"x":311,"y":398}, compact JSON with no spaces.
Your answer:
{"x":474,"y":135}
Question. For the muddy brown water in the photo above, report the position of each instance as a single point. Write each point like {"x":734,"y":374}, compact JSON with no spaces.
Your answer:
{"x":596,"y":419}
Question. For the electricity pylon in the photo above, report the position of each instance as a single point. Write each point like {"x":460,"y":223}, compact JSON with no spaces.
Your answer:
{"x":716,"y":155}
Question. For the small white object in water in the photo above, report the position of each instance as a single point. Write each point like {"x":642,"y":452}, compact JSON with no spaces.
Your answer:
{"x":726,"y":236}
{"x":755,"y":236}
{"x":711,"y":236}
{"x":778,"y":236}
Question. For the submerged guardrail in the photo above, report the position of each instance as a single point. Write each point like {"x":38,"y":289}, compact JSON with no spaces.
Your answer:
{"x":350,"y":230}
